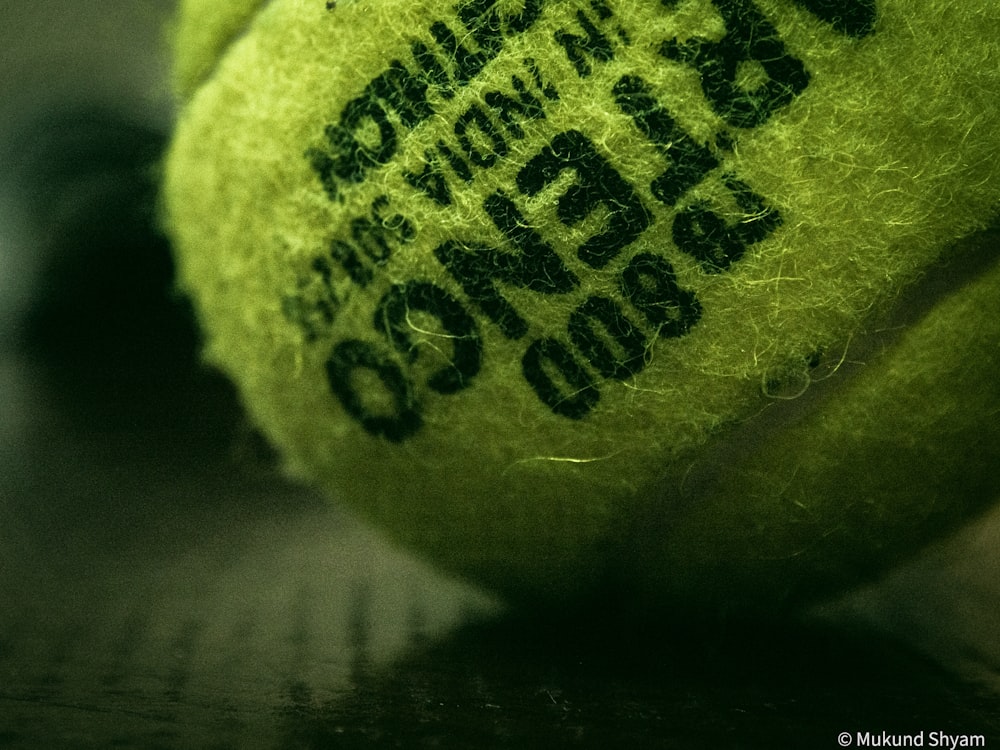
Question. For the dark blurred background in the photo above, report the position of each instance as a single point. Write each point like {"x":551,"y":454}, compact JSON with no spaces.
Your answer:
{"x":162,"y":586}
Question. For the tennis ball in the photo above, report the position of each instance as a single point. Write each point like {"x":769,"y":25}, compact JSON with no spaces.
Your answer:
{"x":206,"y":29}
{"x":594,"y":293}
